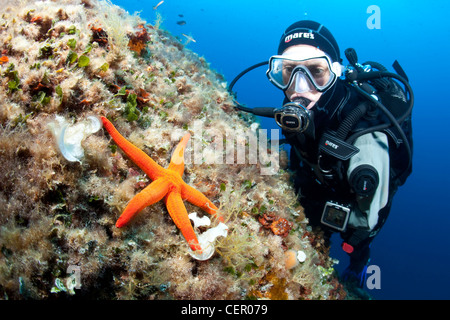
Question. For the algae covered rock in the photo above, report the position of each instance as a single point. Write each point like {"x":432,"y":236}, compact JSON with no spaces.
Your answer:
{"x":74,"y":60}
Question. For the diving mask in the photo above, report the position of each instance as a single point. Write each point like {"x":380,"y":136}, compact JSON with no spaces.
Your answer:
{"x":316,"y":73}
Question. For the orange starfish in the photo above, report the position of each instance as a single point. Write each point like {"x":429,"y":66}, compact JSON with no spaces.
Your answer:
{"x":167,"y":184}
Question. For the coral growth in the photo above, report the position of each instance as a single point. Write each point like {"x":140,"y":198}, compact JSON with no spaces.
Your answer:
{"x":75,"y":59}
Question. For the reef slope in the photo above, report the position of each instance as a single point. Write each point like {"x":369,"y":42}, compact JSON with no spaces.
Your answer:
{"x":58,"y":239}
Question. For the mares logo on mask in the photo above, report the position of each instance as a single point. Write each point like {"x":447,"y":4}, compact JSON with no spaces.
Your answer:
{"x":297,"y":35}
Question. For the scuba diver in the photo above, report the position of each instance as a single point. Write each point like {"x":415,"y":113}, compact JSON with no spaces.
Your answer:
{"x":350,"y":135}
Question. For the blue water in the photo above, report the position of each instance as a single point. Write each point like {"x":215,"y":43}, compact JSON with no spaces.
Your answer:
{"x":412,"y":250}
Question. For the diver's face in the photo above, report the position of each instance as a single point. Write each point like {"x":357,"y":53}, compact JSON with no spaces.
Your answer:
{"x":301,"y":88}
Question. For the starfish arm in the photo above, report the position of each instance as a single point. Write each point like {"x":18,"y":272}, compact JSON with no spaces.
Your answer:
{"x":177,"y":160}
{"x":200,"y":200}
{"x":179,"y":215}
{"x":151,"y":194}
{"x":139,"y":157}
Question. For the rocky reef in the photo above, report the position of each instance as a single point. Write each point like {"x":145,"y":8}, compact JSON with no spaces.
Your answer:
{"x":64,"y":182}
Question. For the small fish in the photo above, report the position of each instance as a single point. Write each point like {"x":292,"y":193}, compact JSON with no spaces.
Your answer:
{"x":181,"y":16}
{"x":159,"y":3}
{"x":181,"y":23}
{"x":189,"y":38}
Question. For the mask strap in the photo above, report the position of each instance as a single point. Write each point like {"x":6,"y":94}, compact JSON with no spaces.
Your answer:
{"x":337,"y":69}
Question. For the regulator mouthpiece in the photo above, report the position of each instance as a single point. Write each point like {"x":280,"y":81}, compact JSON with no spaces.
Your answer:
{"x":293,"y":117}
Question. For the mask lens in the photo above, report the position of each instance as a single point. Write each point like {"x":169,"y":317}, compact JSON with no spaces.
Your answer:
{"x":275,"y":72}
{"x":320,"y":71}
